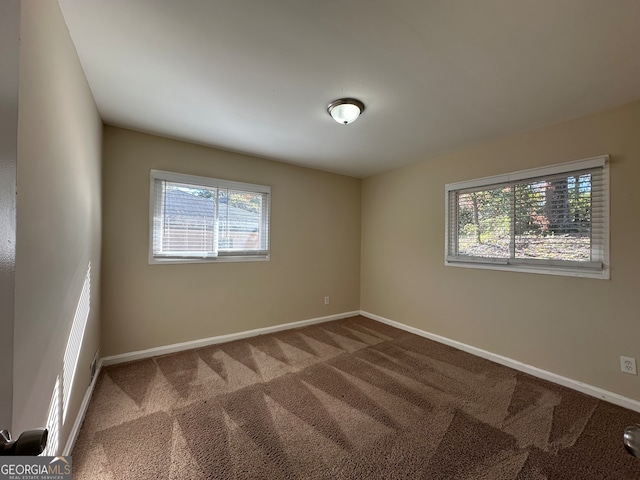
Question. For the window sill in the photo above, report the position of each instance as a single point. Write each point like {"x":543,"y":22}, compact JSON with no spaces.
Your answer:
{"x":544,"y":270}
{"x":224,"y":259}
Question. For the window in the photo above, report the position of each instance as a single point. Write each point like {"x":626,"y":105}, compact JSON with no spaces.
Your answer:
{"x":200,"y":219}
{"x":552,"y":220}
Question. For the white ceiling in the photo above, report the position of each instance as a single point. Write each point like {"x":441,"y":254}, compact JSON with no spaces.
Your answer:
{"x":255,"y":76}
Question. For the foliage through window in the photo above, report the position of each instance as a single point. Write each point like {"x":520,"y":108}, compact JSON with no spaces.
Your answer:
{"x":206,"y":219}
{"x":549,"y":220}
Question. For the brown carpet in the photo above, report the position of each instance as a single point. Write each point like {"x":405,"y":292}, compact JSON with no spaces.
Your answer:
{"x":350,"y":399}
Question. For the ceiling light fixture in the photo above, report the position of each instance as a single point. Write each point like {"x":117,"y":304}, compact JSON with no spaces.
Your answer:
{"x":345,"y":110}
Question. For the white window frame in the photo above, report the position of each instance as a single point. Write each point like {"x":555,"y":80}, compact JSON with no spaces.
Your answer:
{"x":550,"y":267}
{"x":214,"y":183}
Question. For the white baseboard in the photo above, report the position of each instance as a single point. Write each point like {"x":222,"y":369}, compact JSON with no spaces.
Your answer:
{"x":204,"y":342}
{"x":73,"y":436}
{"x":597,"y":392}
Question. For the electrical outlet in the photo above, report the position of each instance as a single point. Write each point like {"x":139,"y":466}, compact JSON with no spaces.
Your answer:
{"x":628,"y":365}
{"x":326,"y":300}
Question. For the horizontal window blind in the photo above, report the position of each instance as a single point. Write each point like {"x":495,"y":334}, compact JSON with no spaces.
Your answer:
{"x":203,"y":218}
{"x":185,"y":220}
{"x":554,"y":220}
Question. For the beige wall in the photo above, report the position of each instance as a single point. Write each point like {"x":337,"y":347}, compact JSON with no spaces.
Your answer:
{"x":58,"y":214}
{"x":574,"y":327}
{"x":315,"y":249}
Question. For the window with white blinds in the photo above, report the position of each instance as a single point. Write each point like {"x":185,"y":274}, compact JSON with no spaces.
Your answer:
{"x":199,"y":219}
{"x":551,"y":220}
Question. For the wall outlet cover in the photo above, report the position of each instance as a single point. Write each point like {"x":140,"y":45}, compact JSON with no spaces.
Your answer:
{"x":628,"y":365}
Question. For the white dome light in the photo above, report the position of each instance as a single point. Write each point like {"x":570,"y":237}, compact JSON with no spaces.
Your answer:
{"x":345,"y":110}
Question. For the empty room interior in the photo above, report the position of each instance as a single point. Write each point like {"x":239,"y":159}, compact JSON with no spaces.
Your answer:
{"x":318,"y":240}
